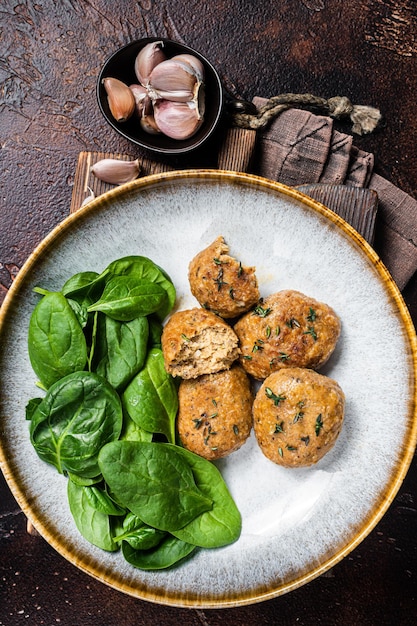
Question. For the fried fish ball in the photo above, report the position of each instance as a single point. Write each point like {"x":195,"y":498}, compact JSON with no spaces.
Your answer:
{"x":297,"y":416}
{"x":196,"y":342}
{"x":215,"y":412}
{"x":220,"y":283}
{"x":287,"y":329}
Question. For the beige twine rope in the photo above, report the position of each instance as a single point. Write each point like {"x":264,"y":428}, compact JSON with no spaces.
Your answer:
{"x":364,"y":118}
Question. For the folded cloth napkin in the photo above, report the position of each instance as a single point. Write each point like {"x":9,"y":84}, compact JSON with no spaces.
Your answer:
{"x":299,"y":147}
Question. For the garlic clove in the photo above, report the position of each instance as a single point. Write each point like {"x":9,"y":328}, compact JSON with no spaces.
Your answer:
{"x":178,"y":120}
{"x":150,"y":56}
{"x":120,"y":98}
{"x":142,"y":99}
{"x":173,"y":80}
{"x":149,"y":125}
{"x":88,"y":198}
{"x":115,"y":171}
{"x":195,"y":63}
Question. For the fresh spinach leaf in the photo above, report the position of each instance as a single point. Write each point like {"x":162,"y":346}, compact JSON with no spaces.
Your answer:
{"x":56,"y":341}
{"x":94,"y":525}
{"x":80,"y":282}
{"x":79,"y":414}
{"x":155,"y":331}
{"x":124,"y":298}
{"x":166,"y":554}
{"x":80,"y":312}
{"x":85,"y":482}
{"x":138,"y":534}
{"x":102,"y":502}
{"x":119,"y":349}
{"x":222,"y":524}
{"x":151,"y":399}
{"x":153,"y":481}
{"x":85,"y":287}
{"x":142,"y":268}
{"x":132,"y":432}
{"x":31,"y":407}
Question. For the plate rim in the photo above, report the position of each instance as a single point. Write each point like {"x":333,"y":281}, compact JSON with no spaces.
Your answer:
{"x":398,"y":471}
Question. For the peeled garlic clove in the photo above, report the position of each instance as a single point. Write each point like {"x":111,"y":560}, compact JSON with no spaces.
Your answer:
{"x":178,"y":120}
{"x":120,"y":98}
{"x":116,"y":172}
{"x":195,"y":63}
{"x":150,"y":56}
{"x":173,"y":80}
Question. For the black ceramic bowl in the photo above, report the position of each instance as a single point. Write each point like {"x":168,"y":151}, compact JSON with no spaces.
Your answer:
{"x":121,"y":65}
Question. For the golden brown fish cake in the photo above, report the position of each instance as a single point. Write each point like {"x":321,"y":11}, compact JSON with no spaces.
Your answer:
{"x":297,"y":416}
{"x":287,"y":329}
{"x":215,"y":412}
{"x":196,"y":342}
{"x":220,"y":283}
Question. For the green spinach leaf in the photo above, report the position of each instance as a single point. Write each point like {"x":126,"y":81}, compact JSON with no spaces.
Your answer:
{"x":142,"y":268}
{"x":222,"y":524}
{"x":153,"y":481}
{"x":120,"y":349}
{"x":85,"y":287}
{"x":79,"y":414}
{"x":102,"y":502}
{"x":31,"y":407}
{"x":56,"y":341}
{"x":124,"y":298}
{"x":138,"y":534}
{"x":151,"y":399}
{"x":94,"y":525}
{"x":132,"y":432}
{"x":166,"y":554}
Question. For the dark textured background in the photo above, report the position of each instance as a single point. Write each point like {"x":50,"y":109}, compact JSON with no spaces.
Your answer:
{"x":50,"y":55}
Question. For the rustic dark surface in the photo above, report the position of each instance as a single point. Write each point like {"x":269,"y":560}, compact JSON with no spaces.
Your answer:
{"x":50,"y":55}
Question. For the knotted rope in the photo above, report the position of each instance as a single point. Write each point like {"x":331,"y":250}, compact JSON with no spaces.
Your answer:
{"x":364,"y":118}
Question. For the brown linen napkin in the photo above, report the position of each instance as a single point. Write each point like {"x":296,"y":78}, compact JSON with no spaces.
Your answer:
{"x":300,"y":148}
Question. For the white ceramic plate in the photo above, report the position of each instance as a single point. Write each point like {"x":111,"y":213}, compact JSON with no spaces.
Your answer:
{"x":297,"y":523}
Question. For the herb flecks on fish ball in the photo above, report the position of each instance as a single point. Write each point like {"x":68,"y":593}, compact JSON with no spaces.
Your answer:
{"x":287,"y":329}
{"x":221,"y":283}
{"x":215,"y":412}
{"x":297,"y":416}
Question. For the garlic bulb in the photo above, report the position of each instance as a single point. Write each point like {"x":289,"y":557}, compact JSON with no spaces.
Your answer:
{"x":115,"y":171}
{"x":174,"y":80}
{"x":120,"y":98}
{"x":178,"y":120}
{"x":147,"y":59}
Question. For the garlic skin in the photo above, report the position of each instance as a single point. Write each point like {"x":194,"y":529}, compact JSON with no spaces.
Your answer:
{"x":150,"y":56}
{"x":120,"y":98}
{"x":178,"y":120}
{"x":174,"y":80}
{"x":116,"y":172}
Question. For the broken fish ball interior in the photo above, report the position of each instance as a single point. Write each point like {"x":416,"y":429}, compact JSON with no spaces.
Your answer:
{"x":215,"y":412}
{"x":196,"y":341}
{"x":297,"y":416}
{"x":221,"y":283}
